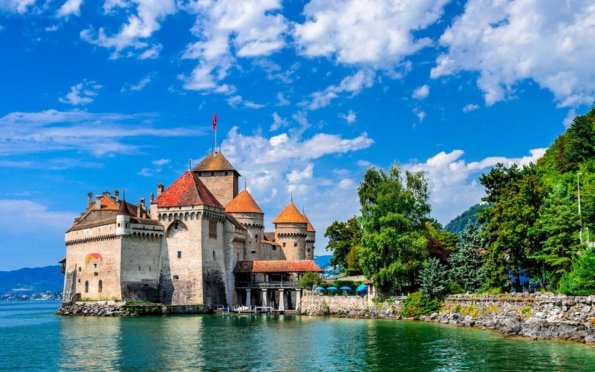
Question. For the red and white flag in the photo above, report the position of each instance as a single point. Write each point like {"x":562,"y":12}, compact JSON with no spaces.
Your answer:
{"x":214,"y":121}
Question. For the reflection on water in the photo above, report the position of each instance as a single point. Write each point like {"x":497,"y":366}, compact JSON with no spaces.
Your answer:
{"x":33,"y":338}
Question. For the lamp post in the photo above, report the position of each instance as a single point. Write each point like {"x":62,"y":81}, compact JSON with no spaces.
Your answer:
{"x":580,"y":216}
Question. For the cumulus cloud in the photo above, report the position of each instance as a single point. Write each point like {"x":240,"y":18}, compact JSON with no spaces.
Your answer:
{"x":470,"y":107}
{"x":70,"y":7}
{"x":378,"y":33}
{"x":454,"y":182}
{"x":506,"y":42}
{"x":235,"y":101}
{"x":32,"y":216}
{"x":352,"y":84}
{"x":278,"y":122}
{"x":99,"y":134}
{"x":421,"y":92}
{"x":16,"y":6}
{"x":227,"y":29}
{"x":135,"y":34}
{"x":82,"y":93}
{"x":140,"y":85}
{"x":350,"y":117}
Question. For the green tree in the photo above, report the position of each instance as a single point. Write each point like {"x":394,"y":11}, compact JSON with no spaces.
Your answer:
{"x":433,"y":278}
{"x":309,"y":280}
{"x":467,"y":263}
{"x":342,"y":238}
{"x":508,"y":224}
{"x":394,"y":212}
{"x":581,"y":280}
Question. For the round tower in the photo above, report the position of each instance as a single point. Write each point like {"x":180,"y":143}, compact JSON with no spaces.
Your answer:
{"x":123,"y":220}
{"x":310,"y":239}
{"x":291,"y":230}
{"x":244,"y":209}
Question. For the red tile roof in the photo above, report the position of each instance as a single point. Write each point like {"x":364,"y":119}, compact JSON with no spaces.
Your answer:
{"x":290,"y":214}
{"x":187,"y":190}
{"x":243,"y":203}
{"x":310,"y":228}
{"x":215,"y":161}
{"x":279,"y":266}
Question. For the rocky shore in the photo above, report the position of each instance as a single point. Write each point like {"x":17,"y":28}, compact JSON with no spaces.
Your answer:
{"x":536,"y":316}
{"x":114,"y":308}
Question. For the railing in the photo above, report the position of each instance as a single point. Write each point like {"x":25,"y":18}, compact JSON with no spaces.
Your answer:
{"x":271,"y":284}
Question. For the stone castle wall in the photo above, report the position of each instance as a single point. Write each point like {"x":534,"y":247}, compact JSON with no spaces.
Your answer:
{"x":141,"y":267}
{"x":223,"y":185}
{"x":292,"y":238}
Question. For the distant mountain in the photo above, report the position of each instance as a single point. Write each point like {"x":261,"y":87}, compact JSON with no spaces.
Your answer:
{"x":31,"y":280}
{"x":323,"y":261}
{"x":457,"y":225}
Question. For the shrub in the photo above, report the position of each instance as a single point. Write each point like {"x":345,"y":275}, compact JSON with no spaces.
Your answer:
{"x":417,"y":305}
{"x":433,"y":278}
{"x":526,"y":311}
{"x":580,"y":281}
{"x":309,"y":280}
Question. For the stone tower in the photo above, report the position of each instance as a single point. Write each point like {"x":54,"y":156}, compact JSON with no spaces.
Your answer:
{"x":123,"y":220}
{"x":245,"y":210}
{"x":291,"y":230}
{"x":219,"y":176}
{"x":310,"y":239}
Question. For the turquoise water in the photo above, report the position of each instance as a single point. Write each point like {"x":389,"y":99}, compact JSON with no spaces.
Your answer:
{"x":32,"y":338}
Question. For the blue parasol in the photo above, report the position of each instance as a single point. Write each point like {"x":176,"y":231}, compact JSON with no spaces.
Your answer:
{"x":319,"y":289}
{"x":361,"y":288}
{"x":345,"y":288}
{"x":331,"y":288}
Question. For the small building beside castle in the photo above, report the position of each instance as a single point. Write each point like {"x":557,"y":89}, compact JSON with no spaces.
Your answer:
{"x":201,"y":242}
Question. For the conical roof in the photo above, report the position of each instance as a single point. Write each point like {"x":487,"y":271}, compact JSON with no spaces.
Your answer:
{"x":187,"y":190}
{"x":123,"y":209}
{"x":310,"y":228}
{"x":290,"y":214}
{"x":215,"y":161}
{"x":243,"y":203}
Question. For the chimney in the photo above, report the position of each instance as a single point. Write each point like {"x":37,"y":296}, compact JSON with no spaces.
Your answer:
{"x":159,"y":189}
{"x":117,"y":194}
{"x":89,"y":199}
{"x":98,"y":199}
{"x":141,"y":206}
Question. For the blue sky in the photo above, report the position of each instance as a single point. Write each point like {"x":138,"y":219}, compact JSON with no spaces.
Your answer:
{"x":120,"y":94}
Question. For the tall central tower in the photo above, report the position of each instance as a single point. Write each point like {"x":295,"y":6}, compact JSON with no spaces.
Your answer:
{"x":219,"y":176}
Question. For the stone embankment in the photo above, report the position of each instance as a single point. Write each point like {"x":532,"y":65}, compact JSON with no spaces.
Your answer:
{"x":350,"y":307}
{"x":115,"y":308}
{"x":537,"y":316}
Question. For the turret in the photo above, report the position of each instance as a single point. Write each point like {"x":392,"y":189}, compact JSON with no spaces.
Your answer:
{"x":245,"y":210}
{"x":219,"y":176}
{"x":291,"y":230}
{"x":123,"y":220}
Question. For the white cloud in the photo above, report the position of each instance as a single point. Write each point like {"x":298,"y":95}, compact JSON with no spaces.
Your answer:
{"x":470,"y":107}
{"x":569,"y":118}
{"x":296,"y":176}
{"x":16,"y":6}
{"x":235,"y":101}
{"x":548,"y":41}
{"x":421,"y":92}
{"x":281,"y":100}
{"x":421,"y":115}
{"x":99,"y":134}
{"x":140,"y":85}
{"x":155,"y":169}
{"x":70,"y":7}
{"x":138,"y":29}
{"x":351,"y":84}
{"x":32,"y":216}
{"x":350,"y":117}
{"x":82,"y":93}
{"x":454,"y":183}
{"x":377,"y":33}
{"x":278,"y":122}
{"x":229,"y":28}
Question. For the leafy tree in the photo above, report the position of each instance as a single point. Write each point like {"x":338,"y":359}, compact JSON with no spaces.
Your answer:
{"x":416,"y":305}
{"x":433,"y":278}
{"x":516,"y":195}
{"x":581,"y":280}
{"x":342,"y":238}
{"x":441,"y":243}
{"x":394,"y":210}
{"x":467,"y":263}
{"x":309,"y":280}
{"x":353,"y":257}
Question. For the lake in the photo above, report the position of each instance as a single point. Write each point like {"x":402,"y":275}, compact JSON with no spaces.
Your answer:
{"x":32,"y":338}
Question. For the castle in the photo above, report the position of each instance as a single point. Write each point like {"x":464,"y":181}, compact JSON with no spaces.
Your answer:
{"x":201,"y":242}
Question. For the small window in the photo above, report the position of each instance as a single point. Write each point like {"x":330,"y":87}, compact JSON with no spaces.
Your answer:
{"x":274,"y":248}
{"x":138,"y":267}
{"x":179,"y":254}
{"x":95,"y":274}
{"x":149,"y":268}
{"x":126,"y":224}
{"x":79,"y":280}
{"x":80,"y":269}
{"x":214,"y":256}
{"x":212,"y":173}
{"x":226,"y":173}
{"x":100,"y":286}
{"x":86,"y":286}
{"x":253,"y":252}
{"x":284,"y":244}
{"x":256,"y":237}
{"x":213,"y":229}
{"x":295,"y":244}
{"x":94,"y":265}
{"x":176,"y":277}
{"x":118,"y":224}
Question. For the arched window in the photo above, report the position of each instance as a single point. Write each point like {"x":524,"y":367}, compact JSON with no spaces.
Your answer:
{"x":86,"y":286}
{"x":100,"y":286}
